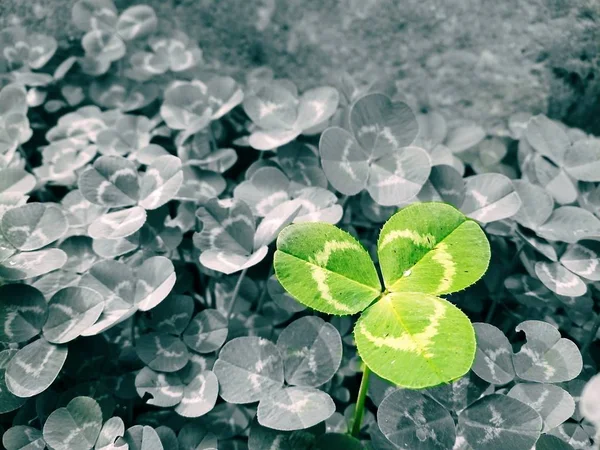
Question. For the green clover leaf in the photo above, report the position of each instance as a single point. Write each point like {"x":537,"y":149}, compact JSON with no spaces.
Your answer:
{"x":425,"y":250}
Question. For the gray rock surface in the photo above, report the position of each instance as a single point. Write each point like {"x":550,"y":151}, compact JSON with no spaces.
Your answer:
{"x":475,"y":59}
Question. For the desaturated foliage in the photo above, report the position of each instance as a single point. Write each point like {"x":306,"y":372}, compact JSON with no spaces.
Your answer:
{"x":189,"y":261}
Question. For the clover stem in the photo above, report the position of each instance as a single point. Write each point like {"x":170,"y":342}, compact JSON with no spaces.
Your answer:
{"x":591,"y":336}
{"x":236,"y":291}
{"x":360,"y":401}
{"x":263,"y":292}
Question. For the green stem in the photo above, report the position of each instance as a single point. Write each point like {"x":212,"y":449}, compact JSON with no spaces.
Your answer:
{"x":359,"y":411}
{"x":236,"y":291}
{"x":263,"y":292}
{"x":591,"y":336}
{"x":492,"y":310}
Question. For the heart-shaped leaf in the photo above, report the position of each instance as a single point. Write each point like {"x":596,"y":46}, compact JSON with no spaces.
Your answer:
{"x":136,"y":22}
{"x":110,"y":181}
{"x":27,"y":265}
{"x":493,"y":360}
{"x":498,"y":422}
{"x":416,"y":330}
{"x":206,"y":332}
{"x":560,"y":280}
{"x":582,"y":160}
{"x":173,"y":314}
{"x":34,"y":368}
{"x":111,"y":431}
{"x":431,"y":248}
{"x":411,"y":420}
{"x":71,"y":311}
{"x":554,"y":404}
{"x":161,"y":182}
{"x":163,"y":390}
{"x":294,"y":408}
{"x":23,"y":312}
{"x":142,"y":437}
{"x":33,"y":225}
{"x":570,"y":224}
{"x":155,"y":279}
{"x":199,"y":395}
{"x":490,"y":197}
{"x":315,"y":261}
{"x":8,"y":401}
{"x":546,"y":357}
{"x":249,"y":369}
{"x":77,"y":425}
{"x":547,"y":138}
{"x":312,"y":351}
{"x":162,"y":352}
{"x":380,"y":126}
{"x":537,"y":204}
{"x":344,"y":162}
{"x":21,"y":437}
{"x":398,"y":176}
{"x":118,"y":224}
{"x":583,"y":259}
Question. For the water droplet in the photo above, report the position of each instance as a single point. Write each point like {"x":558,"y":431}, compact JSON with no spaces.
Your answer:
{"x":407,"y":273}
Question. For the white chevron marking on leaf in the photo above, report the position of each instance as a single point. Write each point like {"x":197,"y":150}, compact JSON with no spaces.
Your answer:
{"x":415,"y":343}
{"x":444,"y":258}
{"x":423,"y":240}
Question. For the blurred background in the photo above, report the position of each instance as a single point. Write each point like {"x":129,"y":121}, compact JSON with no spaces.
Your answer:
{"x":473,"y":59}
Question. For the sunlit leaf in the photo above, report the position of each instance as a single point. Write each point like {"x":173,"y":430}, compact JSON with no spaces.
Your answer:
{"x":581,"y":160}
{"x":266,"y":189}
{"x":589,"y":405}
{"x":398,"y":176}
{"x":431,"y":248}
{"x":583,"y":259}
{"x":345,"y":163}
{"x":315,"y":260}
{"x":411,"y":329}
